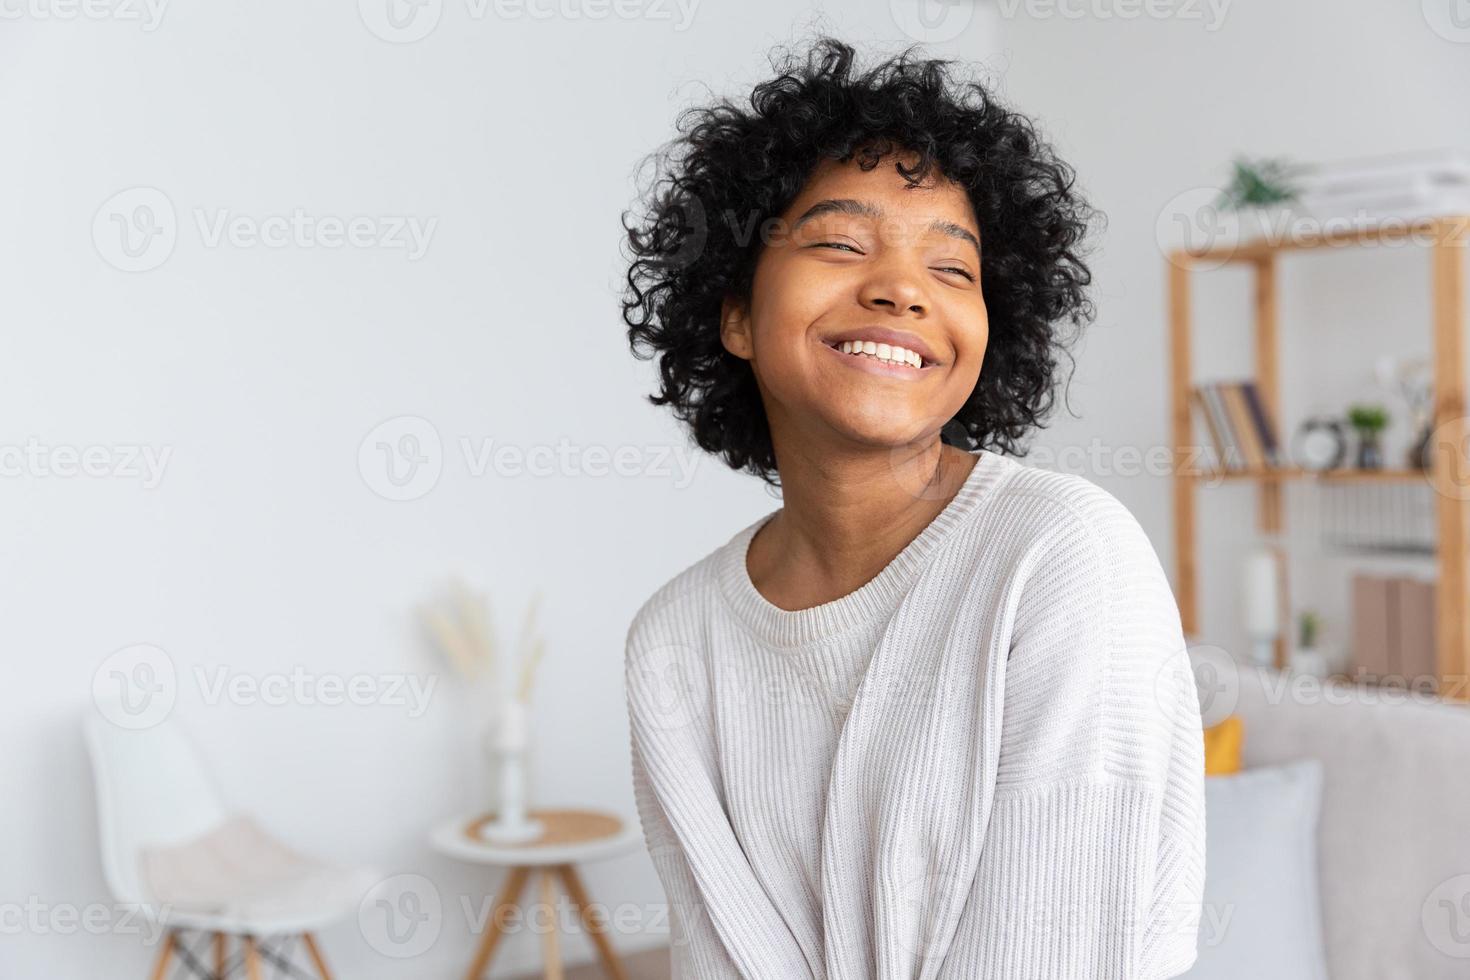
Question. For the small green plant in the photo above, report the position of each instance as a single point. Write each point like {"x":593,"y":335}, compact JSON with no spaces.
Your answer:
{"x":1255,"y":183}
{"x":1368,"y":418}
{"x":1310,"y":623}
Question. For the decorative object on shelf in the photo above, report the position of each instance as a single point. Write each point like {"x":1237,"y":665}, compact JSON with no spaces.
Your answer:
{"x":1394,"y":630}
{"x":1369,"y":421}
{"x":1260,"y":590}
{"x":1240,"y":425}
{"x":1413,"y":377}
{"x":1321,"y":443}
{"x":1386,"y":189}
{"x":1307,"y":658}
{"x":468,"y":641}
{"x":1395,"y":516}
{"x":1258,"y":183}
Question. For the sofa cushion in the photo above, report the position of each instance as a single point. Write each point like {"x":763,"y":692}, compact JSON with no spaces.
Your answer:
{"x":1262,"y":913}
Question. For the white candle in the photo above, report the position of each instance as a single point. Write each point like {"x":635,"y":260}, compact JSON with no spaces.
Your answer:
{"x":1261,"y":601}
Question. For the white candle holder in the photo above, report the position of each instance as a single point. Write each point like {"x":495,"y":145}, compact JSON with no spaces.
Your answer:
{"x":507,"y":743}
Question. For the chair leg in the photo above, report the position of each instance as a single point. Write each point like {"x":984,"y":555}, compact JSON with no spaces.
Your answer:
{"x":572,"y":882}
{"x":252,"y":959}
{"x":316,"y":955}
{"x":221,"y":952}
{"x":165,"y":955}
{"x":515,"y":880}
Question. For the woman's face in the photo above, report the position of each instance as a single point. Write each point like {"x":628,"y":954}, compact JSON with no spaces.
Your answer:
{"x":861,"y":255}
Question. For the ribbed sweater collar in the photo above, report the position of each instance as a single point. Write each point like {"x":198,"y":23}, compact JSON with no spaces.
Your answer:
{"x":879,"y":595}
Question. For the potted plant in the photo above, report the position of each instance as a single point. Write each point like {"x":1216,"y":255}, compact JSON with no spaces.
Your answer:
{"x":1306,"y":658}
{"x":1369,"y":422}
{"x":1255,"y":188}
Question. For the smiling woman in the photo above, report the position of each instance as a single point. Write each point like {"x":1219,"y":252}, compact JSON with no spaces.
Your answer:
{"x":933,"y":718}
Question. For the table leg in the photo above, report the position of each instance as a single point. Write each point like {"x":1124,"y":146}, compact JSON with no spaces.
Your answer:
{"x":515,"y":880}
{"x":595,"y":927}
{"x":252,"y":959}
{"x":550,"y":951}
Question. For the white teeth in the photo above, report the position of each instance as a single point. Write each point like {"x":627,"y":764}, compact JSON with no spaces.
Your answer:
{"x":889,"y":353}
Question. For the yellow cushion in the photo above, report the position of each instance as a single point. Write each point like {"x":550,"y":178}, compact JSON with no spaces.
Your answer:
{"x":1222,"y":746}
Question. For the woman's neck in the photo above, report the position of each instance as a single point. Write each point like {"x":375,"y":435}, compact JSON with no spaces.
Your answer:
{"x":843,"y":520}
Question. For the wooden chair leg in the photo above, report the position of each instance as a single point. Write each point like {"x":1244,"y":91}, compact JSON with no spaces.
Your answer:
{"x":596,"y":928}
{"x":165,"y":955}
{"x":515,"y":880}
{"x":316,"y":955}
{"x":252,"y":959}
{"x":221,"y":952}
{"x":550,"y":950}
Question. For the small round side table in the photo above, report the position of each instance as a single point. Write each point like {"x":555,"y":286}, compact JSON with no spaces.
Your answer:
{"x":569,"y":836}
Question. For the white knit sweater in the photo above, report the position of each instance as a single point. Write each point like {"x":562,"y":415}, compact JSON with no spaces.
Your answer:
{"x":986,"y":762}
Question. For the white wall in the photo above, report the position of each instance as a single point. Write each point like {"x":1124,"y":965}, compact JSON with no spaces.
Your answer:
{"x":1149,"y":109}
{"x":261,"y":370}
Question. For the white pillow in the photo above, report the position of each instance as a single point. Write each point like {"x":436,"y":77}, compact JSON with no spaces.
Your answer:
{"x":1262,"y":915}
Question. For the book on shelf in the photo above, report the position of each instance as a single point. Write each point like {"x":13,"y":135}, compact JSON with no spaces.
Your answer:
{"x":1241,"y":428}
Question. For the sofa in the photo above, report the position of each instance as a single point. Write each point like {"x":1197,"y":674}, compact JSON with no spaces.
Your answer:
{"x":1392,"y":861}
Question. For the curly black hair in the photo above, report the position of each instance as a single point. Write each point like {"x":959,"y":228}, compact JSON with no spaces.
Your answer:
{"x":729,"y":161}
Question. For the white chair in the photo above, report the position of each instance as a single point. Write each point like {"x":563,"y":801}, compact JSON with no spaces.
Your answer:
{"x":154,"y":793}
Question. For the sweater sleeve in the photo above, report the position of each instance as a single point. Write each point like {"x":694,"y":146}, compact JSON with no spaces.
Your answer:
{"x":696,"y":952}
{"x":1093,"y":864}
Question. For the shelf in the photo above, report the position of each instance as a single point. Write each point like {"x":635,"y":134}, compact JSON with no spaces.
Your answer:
{"x":1445,"y":228}
{"x":1341,"y":475}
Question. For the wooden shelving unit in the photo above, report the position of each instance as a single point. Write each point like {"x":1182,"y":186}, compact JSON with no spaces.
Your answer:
{"x":1445,"y":240}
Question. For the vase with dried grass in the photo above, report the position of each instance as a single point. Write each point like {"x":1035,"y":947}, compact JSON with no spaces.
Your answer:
{"x":466,"y":636}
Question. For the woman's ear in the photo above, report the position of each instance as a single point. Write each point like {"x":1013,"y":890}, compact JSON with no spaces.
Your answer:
{"x":735,"y":329}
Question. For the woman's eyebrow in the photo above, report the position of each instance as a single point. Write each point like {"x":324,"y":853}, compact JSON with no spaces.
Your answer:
{"x":866,"y":209}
